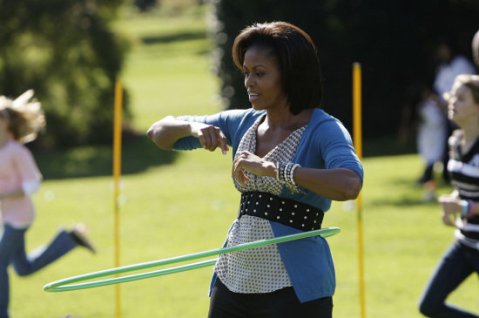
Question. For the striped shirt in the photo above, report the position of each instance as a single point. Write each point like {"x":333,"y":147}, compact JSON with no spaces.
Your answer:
{"x":464,"y":171}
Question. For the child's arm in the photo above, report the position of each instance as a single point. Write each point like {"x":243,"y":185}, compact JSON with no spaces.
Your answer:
{"x":28,"y":188}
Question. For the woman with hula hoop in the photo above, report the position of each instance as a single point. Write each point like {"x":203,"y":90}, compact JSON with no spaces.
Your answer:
{"x":290,"y":159}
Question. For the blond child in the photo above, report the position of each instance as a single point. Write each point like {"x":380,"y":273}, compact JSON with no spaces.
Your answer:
{"x":20,"y":121}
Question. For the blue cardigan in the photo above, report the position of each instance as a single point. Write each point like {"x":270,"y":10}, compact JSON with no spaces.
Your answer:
{"x":325,"y":144}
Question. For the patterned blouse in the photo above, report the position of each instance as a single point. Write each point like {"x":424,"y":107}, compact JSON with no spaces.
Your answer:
{"x":258,"y":270}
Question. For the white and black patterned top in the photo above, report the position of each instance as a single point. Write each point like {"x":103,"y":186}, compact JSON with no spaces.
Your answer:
{"x":464,"y":171}
{"x":258,"y":270}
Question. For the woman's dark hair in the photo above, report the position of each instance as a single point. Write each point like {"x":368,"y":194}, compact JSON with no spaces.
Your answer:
{"x":297,"y":58}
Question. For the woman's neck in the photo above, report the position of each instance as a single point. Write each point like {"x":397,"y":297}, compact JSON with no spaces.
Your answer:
{"x":283,"y":119}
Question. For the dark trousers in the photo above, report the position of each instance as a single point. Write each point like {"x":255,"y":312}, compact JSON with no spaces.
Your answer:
{"x":282,"y":303}
{"x":12,"y":251}
{"x":456,"y":265}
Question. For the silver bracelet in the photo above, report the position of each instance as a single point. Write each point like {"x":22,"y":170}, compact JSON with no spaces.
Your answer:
{"x":280,"y":171}
{"x":285,"y":172}
{"x":291,"y":175}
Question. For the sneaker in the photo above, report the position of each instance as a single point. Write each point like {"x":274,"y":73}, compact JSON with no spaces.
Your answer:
{"x":79,"y":235}
{"x":430,"y":196}
{"x":430,"y":191}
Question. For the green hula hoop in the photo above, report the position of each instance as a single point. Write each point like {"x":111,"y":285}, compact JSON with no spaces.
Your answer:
{"x":71,"y":283}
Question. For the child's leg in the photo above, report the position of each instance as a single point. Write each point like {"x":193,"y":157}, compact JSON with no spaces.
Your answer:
{"x":26,"y":265}
{"x":9,"y":243}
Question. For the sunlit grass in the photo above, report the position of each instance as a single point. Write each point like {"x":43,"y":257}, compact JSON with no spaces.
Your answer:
{"x":170,"y":208}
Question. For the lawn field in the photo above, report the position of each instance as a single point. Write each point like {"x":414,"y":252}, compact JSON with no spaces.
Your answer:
{"x":178,"y":203}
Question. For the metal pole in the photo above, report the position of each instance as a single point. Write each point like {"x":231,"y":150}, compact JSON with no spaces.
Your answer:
{"x":358,"y":144}
{"x":116,"y":177}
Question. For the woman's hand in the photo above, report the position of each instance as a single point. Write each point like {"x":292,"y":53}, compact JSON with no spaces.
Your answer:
{"x":210,"y":137}
{"x":451,"y":209}
{"x":249,"y":162}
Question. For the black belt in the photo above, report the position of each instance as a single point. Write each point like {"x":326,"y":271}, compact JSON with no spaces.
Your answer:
{"x":285,"y":211}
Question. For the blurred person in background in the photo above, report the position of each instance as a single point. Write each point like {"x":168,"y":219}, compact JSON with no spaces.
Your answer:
{"x":475,"y":48}
{"x":422,"y":114}
{"x":290,"y":160}
{"x":20,"y":121}
{"x":431,"y":133}
{"x":460,"y":209}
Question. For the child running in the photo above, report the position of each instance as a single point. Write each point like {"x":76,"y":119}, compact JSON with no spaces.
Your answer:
{"x":20,"y":121}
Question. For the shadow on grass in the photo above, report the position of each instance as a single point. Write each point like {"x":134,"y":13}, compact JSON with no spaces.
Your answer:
{"x":411,"y":198}
{"x":168,"y":38}
{"x":177,"y":37}
{"x":387,"y":146}
{"x":403,"y":201}
{"x":138,"y":154}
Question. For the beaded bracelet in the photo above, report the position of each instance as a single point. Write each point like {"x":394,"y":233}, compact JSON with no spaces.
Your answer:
{"x":285,"y":172}
{"x":279,"y":171}
{"x":291,"y":173}
{"x":465,"y":208}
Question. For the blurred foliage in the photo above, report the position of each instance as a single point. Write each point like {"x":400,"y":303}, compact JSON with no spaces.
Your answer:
{"x":138,"y":155}
{"x":146,"y":5}
{"x":392,"y":39}
{"x":66,"y":51}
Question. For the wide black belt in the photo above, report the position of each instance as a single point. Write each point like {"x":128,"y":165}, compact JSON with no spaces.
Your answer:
{"x":285,"y":211}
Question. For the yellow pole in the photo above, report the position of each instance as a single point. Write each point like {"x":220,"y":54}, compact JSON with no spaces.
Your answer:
{"x":116,"y":191}
{"x":358,"y":144}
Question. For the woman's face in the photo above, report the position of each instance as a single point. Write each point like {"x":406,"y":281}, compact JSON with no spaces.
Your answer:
{"x":462,"y":107}
{"x":262,"y":79}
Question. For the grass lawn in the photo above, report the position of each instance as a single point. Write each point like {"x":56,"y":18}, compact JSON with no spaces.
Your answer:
{"x":173,"y":204}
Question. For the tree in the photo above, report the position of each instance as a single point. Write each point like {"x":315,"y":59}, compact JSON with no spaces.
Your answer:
{"x":66,"y":51}
{"x":392,"y":39}
{"x":146,"y":5}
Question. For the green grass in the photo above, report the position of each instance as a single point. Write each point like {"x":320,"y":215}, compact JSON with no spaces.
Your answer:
{"x":169,"y":71}
{"x":173,"y":204}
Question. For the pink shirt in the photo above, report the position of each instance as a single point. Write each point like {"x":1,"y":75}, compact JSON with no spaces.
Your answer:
{"x":17,"y":166}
